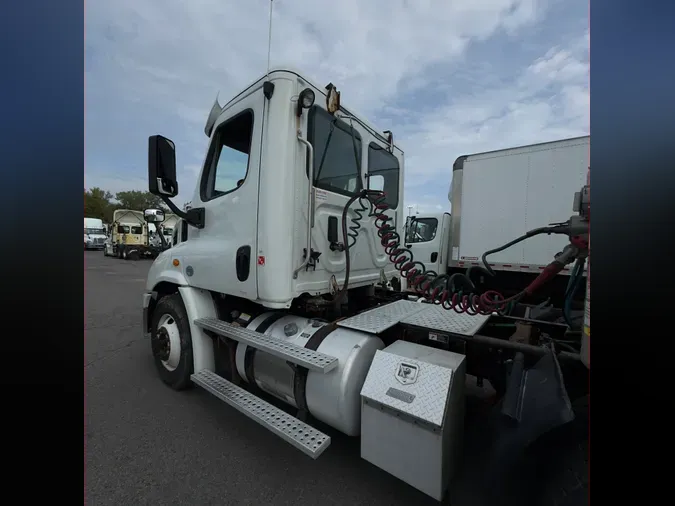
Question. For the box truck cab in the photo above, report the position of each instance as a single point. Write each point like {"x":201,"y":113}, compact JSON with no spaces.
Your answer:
{"x":427,"y":237}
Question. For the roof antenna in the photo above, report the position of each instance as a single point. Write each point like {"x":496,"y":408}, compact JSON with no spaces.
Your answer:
{"x":268,"y":86}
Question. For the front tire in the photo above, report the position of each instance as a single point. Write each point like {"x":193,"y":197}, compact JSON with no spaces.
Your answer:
{"x":171,"y":342}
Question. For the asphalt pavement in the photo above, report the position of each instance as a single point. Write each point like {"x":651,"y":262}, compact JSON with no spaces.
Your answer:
{"x":147,"y":444}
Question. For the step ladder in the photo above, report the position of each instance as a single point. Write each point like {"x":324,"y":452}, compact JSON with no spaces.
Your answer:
{"x":312,"y":360}
{"x":299,"y":434}
{"x":305,"y":438}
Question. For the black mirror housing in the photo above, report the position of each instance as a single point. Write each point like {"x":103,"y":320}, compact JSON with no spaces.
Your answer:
{"x":162,"y":167}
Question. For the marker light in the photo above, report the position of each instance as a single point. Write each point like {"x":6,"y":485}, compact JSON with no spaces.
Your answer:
{"x":305,"y":100}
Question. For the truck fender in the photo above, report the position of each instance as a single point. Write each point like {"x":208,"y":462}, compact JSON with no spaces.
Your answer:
{"x":199,"y":304}
{"x":174,"y":277}
{"x":163,"y":270}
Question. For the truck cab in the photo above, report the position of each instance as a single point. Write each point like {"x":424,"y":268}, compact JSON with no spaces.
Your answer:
{"x":427,"y":236}
{"x":127,"y":230}
{"x":266,"y":232}
{"x":94,"y":233}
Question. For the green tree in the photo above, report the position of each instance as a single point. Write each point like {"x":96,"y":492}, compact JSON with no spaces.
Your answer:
{"x":138,"y":200}
{"x":97,"y":204}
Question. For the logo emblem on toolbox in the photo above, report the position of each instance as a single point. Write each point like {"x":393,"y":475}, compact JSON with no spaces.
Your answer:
{"x":407,"y":373}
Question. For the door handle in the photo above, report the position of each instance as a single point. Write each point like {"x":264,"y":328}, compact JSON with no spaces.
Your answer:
{"x":434,"y":256}
{"x":242,"y":262}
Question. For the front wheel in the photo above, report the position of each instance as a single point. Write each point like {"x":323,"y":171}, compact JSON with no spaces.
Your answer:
{"x":171,"y":342}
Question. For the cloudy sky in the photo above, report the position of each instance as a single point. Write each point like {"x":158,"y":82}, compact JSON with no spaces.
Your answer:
{"x":447,"y":77}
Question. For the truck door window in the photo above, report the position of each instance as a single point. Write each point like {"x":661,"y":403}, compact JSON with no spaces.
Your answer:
{"x":122,"y":229}
{"x":337,"y":153}
{"x":383,"y":173}
{"x":422,"y":230}
{"x":228,"y":157}
{"x":137,"y":230}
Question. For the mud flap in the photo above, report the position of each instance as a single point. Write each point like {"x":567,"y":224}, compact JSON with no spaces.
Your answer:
{"x":536,"y":398}
{"x":535,"y":403}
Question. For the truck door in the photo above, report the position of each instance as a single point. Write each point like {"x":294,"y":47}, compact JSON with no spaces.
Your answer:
{"x":425,"y":242}
{"x":343,"y":152}
{"x":228,"y":192}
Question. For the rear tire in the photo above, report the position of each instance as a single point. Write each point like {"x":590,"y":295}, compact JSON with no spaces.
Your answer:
{"x":171,"y":342}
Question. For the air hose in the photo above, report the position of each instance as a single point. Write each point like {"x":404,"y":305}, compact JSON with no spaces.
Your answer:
{"x":434,"y":288}
{"x":437,"y":289}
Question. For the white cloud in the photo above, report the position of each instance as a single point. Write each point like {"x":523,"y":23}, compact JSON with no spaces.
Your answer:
{"x":156,"y":66}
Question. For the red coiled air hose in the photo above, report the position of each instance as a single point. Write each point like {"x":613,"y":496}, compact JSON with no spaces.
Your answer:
{"x":435,"y":288}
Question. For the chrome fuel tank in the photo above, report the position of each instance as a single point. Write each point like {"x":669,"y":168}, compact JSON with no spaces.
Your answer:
{"x":335,"y":397}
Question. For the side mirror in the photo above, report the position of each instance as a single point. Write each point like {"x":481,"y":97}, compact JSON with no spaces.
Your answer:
{"x":153,"y":215}
{"x":162,"y":166}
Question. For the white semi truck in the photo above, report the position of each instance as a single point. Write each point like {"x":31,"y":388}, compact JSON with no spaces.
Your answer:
{"x":94,"y":233}
{"x":167,"y":226}
{"x":497,"y":196}
{"x":280,"y":289}
{"x":167,"y":230}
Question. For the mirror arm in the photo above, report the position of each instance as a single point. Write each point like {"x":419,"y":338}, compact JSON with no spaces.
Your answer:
{"x":161,"y":236}
{"x":194,"y":216}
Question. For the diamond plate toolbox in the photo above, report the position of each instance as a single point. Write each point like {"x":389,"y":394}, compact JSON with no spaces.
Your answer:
{"x":410,"y":386}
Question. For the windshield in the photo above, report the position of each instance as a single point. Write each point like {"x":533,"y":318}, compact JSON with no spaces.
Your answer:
{"x":92,"y":231}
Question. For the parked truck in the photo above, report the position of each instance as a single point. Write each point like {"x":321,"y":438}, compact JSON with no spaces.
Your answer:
{"x":497,"y":196}
{"x":280,"y":290}
{"x":94,"y":233}
{"x":167,"y":227}
{"x":130,"y":234}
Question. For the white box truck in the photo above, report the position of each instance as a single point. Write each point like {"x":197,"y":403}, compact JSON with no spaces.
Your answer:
{"x":496,"y":196}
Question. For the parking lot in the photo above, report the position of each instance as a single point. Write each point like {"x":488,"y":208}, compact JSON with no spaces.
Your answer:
{"x":147,"y":444}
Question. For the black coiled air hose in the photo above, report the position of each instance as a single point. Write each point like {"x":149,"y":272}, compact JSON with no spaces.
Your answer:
{"x":436,"y":289}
